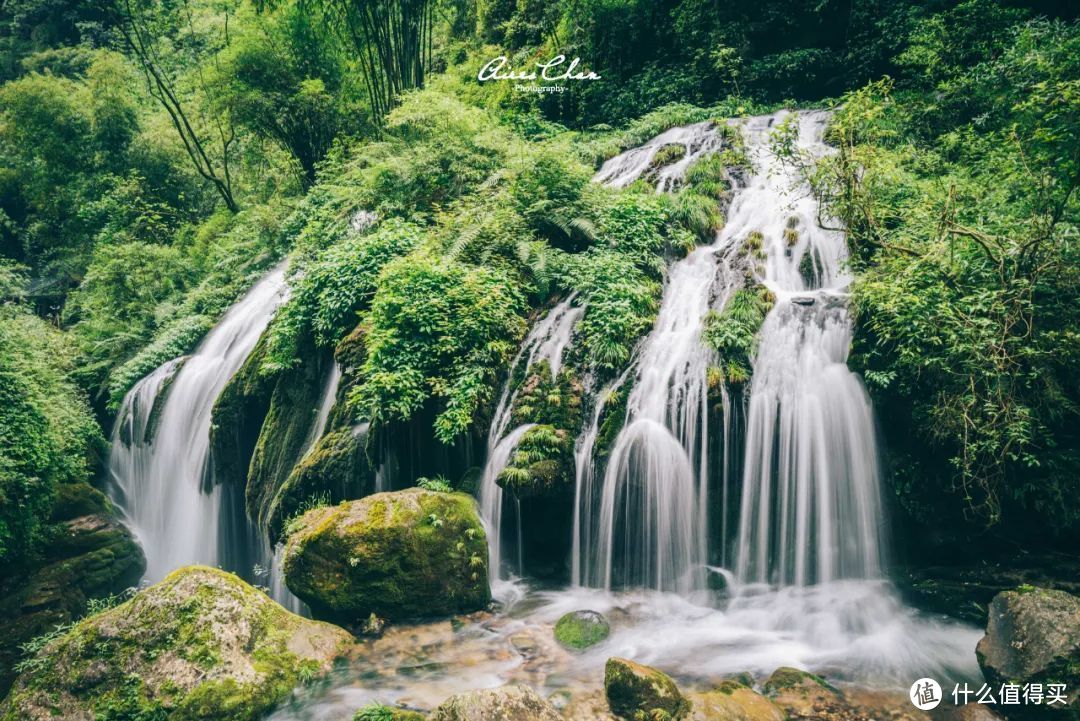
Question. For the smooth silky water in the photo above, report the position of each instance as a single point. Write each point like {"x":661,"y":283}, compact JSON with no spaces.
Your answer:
{"x":805,"y":585}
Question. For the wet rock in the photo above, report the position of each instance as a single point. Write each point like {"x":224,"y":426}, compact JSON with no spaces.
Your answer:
{"x":733,"y":701}
{"x":336,"y":467}
{"x":633,"y":689}
{"x":519,"y":703}
{"x":803,"y":300}
{"x":580,"y":629}
{"x":91,"y":556}
{"x":524,"y":644}
{"x":802,"y":694}
{"x":400,"y":555}
{"x":200,"y":644}
{"x":1033,"y":636}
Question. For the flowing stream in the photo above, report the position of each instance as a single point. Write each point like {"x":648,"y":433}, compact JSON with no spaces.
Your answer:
{"x":158,"y":462}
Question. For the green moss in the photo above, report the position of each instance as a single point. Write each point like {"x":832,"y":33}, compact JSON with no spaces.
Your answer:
{"x":581,"y":629}
{"x":337,"y":468}
{"x":637,"y":691}
{"x":184,"y":648}
{"x":400,"y":555}
{"x":786,"y":678}
{"x":79,"y":499}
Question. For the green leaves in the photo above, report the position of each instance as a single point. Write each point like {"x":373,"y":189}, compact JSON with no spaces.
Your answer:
{"x":437,"y":330}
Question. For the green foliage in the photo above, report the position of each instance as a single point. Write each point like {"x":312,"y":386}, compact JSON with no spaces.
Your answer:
{"x":46,"y":429}
{"x":374,"y":711}
{"x":733,"y":330}
{"x":332,"y":287}
{"x":439,"y":484}
{"x":439,"y":331}
{"x":962,"y":210}
{"x":292,"y":524}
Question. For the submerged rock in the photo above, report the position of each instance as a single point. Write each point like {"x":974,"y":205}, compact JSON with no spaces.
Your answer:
{"x":633,"y":689}
{"x":581,"y":629}
{"x":1033,"y":636}
{"x":200,"y":644}
{"x":405,"y":554}
{"x":92,"y":555}
{"x":516,"y":703}
{"x":734,"y":701}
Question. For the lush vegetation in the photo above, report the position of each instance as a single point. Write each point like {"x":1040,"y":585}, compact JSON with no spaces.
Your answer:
{"x":157,"y":157}
{"x":959,"y":188}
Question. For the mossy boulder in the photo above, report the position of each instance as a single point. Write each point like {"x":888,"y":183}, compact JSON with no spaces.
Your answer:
{"x":519,"y":703}
{"x":337,"y":468}
{"x":202,"y":644}
{"x":90,"y":555}
{"x":399,"y":555}
{"x":580,"y":629}
{"x":734,"y":701}
{"x":802,"y":693}
{"x":1033,"y":636}
{"x":635,"y":691}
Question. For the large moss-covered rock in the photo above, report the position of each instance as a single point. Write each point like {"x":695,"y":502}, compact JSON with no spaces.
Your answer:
{"x":637,"y":691}
{"x":202,"y":644}
{"x":404,"y":554}
{"x":1033,"y":636}
{"x":90,"y":555}
{"x":510,"y":703}
{"x":337,"y":469}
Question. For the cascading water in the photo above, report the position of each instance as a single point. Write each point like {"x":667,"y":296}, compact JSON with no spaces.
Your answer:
{"x":810,"y":510}
{"x":698,"y":140}
{"x":158,"y":462}
{"x":809,"y":506}
{"x":546,"y":341}
{"x":652,"y":523}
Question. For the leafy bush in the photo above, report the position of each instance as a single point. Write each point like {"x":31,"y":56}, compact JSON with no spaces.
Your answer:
{"x":438,"y":331}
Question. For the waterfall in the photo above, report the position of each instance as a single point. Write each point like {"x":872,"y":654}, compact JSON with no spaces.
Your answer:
{"x":546,"y":341}
{"x":326,"y":404}
{"x":697,"y":140}
{"x":652,"y":524}
{"x":158,"y":462}
{"x":811,"y":509}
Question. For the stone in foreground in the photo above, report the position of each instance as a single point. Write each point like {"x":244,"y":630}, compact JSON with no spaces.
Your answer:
{"x":637,"y":691}
{"x":202,"y":644}
{"x":1033,"y":636}
{"x":400,"y":555}
{"x":734,"y":701}
{"x":516,"y":703}
{"x":580,"y":629}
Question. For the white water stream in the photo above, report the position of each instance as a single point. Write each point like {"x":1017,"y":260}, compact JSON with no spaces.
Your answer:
{"x":159,"y":474}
